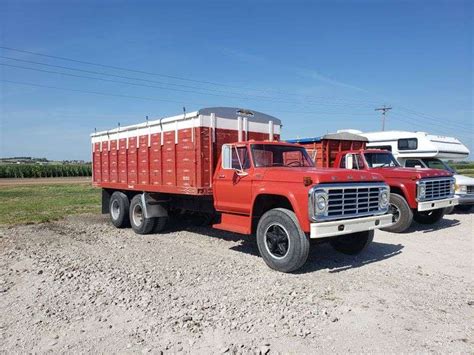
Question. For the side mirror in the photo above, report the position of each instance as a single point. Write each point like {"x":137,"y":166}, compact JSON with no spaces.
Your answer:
{"x":349,"y":161}
{"x":226,"y":156}
{"x":241,"y":173}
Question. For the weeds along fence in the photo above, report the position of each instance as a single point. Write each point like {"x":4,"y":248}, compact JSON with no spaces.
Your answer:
{"x":38,"y":171}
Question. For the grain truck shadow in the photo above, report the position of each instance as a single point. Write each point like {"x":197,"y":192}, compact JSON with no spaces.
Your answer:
{"x":321,"y":256}
{"x":428,"y":228}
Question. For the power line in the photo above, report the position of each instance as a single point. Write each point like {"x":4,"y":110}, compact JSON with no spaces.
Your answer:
{"x":93,"y":92}
{"x":163,"y":75}
{"x":123,"y":96}
{"x":436,"y":127}
{"x":346,"y":104}
{"x":163,"y":100}
{"x":157,"y":87}
{"x":429,"y":118}
{"x":112,"y":66}
{"x":108,"y":74}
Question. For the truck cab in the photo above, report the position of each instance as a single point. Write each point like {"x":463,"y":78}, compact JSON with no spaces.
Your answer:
{"x":424,"y":150}
{"x":274,"y":190}
{"x":419,"y":194}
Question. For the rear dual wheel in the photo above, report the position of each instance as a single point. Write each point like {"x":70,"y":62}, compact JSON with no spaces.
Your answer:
{"x":119,"y":206}
{"x":140,"y":224}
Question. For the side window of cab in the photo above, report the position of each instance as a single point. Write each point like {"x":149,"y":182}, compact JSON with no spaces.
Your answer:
{"x":352,"y":161}
{"x":413,"y":163}
{"x":235,"y":158}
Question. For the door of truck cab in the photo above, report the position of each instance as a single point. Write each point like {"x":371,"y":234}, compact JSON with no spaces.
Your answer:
{"x":233,"y":180}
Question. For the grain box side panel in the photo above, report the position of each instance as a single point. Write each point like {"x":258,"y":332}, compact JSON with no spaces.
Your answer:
{"x":155,"y":160}
{"x":122,"y":161}
{"x":169,"y":159}
{"x":132,"y":163}
{"x":143,"y":161}
{"x":105,"y":162}
{"x":186,"y":158}
{"x":97,"y":163}
{"x":113,"y":161}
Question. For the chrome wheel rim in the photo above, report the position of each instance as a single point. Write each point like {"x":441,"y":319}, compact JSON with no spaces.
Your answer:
{"x":115,"y":209}
{"x":137,"y":215}
{"x":395,"y":211}
{"x":277,"y":241}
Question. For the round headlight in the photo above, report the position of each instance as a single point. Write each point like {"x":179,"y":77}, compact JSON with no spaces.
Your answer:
{"x":321,"y":203}
{"x":421,"y":190}
{"x":384,"y":199}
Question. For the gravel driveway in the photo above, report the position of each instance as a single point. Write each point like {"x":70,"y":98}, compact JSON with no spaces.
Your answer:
{"x":80,"y":285}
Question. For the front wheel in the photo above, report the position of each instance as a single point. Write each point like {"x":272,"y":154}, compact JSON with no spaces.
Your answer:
{"x":352,"y":244}
{"x":281,"y":242}
{"x":140,"y":224}
{"x":401,"y":212}
{"x":429,"y":217}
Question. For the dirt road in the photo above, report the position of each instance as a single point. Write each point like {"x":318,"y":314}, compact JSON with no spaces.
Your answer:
{"x":45,"y":181}
{"x":81,"y":285}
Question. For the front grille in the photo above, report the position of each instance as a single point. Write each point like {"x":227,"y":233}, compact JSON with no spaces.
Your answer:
{"x":470,"y":189}
{"x":352,"y":200}
{"x":437,"y":189}
{"x":346,"y":200}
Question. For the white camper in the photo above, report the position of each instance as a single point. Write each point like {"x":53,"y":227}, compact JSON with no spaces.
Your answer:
{"x":420,"y":149}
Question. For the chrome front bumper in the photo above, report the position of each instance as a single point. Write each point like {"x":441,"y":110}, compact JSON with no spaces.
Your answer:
{"x":465,"y":199}
{"x":348,"y":226}
{"x":434,"y":205}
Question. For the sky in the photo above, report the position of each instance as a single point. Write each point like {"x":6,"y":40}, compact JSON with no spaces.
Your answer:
{"x":319,"y":66}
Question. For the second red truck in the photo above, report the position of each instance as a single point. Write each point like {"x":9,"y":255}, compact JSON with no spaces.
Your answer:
{"x":415,"y":194}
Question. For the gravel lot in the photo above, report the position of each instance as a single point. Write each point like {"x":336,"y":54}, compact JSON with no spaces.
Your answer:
{"x":80,"y":285}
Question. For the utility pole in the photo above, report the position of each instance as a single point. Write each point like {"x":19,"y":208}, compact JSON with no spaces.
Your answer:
{"x":384,"y":109}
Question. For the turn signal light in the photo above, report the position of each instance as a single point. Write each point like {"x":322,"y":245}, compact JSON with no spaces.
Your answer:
{"x":307,"y":181}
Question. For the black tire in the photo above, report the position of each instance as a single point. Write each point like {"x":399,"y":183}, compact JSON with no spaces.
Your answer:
{"x":139,"y":223}
{"x":281,"y":242}
{"x":449,"y":210}
{"x":119,"y":207}
{"x":160,"y":224}
{"x":402,"y":214}
{"x":464,"y":208}
{"x":429,"y":217}
{"x":352,"y":244}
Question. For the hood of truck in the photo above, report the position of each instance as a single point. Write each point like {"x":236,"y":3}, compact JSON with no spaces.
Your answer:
{"x":411,"y":173}
{"x":318,"y":175}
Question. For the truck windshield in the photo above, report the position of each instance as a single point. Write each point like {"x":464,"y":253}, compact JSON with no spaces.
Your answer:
{"x":380,"y":160}
{"x":434,"y":163}
{"x":271,"y":155}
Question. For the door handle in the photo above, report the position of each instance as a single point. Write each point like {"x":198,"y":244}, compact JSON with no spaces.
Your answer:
{"x":221,"y":176}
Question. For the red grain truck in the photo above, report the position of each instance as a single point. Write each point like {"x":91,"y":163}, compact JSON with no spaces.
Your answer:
{"x":228,"y":162}
{"x":415,"y":194}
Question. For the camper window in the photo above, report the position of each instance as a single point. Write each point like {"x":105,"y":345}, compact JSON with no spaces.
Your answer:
{"x":408,"y":144}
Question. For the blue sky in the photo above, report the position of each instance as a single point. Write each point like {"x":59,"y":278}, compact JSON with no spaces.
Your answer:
{"x":319,"y":66}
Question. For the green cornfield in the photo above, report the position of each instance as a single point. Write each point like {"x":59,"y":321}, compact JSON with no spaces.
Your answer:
{"x":39,"y":171}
